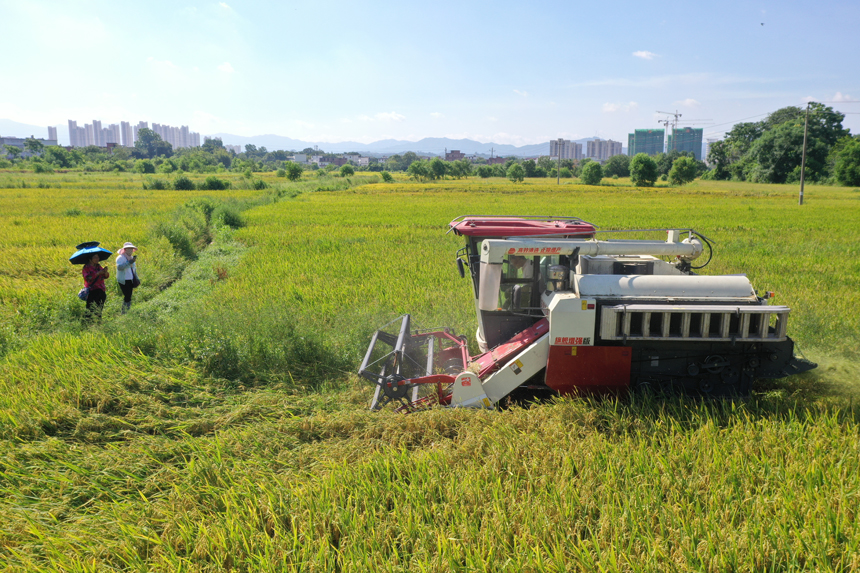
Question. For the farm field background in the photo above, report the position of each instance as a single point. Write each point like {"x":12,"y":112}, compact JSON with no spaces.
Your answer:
{"x":220,"y":424}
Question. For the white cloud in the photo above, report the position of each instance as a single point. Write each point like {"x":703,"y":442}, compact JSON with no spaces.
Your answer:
{"x":645,"y":55}
{"x":389,"y":116}
{"x":435,"y":114}
{"x":162,"y":63}
{"x":625,"y":107}
{"x":304,"y":124}
{"x":843,"y":97}
{"x":492,"y":118}
{"x":226,"y":68}
{"x":522,"y":93}
{"x":689,"y":102}
{"x":808,"y":99}
{"x":224,"y":5}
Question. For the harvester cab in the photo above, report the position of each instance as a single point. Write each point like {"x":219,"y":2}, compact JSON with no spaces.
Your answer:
{"x":562,"y":312}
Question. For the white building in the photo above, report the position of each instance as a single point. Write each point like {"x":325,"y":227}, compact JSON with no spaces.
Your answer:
{"x":601,"y":150}
{"x":127,"y":134}
{"x":52,"y":133}
{"x":565,"y":149}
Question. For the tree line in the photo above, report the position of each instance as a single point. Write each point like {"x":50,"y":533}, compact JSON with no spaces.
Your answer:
{"x":768,"y":151}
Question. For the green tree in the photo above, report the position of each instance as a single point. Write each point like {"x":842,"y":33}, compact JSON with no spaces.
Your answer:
{"x":212,"y":145}
{"x":150,"y":144}
{"x":13,"y":152}
{"x":347,"y":170}
{"x":617,"y":165}
{"x":460,"y":168}
{"x":643,"y":170}
{"x":418,"y":170}
{"x":33,"y":146}
{"x":386,"y":177}
{"x":546,"y":163}
{"x":485,"y":171}
{"x":531,"y":167}
{"x":294,"y":171}
{"x":59,"y":156}
{"x":516,"y":173}
{"x":847,"y":167}
{"x":592,"y":173}
{"x":407,"y":159}
{"x":684,"y":170}
{"x":437,"y":168}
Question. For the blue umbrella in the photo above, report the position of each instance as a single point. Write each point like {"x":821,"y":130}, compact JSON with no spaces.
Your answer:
{"x":86,"y":251}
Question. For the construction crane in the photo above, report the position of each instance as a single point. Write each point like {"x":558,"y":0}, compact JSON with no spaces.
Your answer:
{"x":674,"y":122}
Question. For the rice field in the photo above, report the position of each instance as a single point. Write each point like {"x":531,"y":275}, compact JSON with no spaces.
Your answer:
{"x":220,"y":425}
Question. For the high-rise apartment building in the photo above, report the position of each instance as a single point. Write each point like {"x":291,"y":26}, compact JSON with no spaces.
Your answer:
{"x":687,"y":139}
{"x":648,"y":141}
{"x":565,"y":149}
{"x":52,"y":133}
{"x":126,"y":134}
{"x":601,"y":149}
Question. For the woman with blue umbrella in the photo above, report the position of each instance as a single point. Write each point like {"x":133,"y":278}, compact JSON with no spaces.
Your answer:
{"x":90,"y":254}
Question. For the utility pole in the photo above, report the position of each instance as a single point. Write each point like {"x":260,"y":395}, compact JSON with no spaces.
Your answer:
{"x":558,"y":164}
{"x":803,"y":158}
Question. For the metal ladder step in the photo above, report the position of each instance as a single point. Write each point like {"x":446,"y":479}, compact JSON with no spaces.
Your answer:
{"x":712,"y":323}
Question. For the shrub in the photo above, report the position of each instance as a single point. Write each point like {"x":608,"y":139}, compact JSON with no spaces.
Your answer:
{"x":154,"y":183}
{"x":144,"y":166}
{"x":485,"y":171}
{"x":212,"y":183}
{"x":247,"y":174}
{"x":40,"y":167}
{"x":565,"y":173}
{"x":592,"y":173}
{"x":259,"y":184}
{"x":228,"y":215}
{"x":347,"y":170}
{"x":387,"y":177}
{"x":281,"y":173}
{"x":183,"y":183}
{"x":177,"y":236}
{"x":643,"y":170}
{"x":5,"y":163}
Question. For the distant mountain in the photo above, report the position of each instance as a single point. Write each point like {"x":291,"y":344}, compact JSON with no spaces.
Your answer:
{"x":428,"y":145}
{"x":11,"y":128}
{"x":272,"y":142}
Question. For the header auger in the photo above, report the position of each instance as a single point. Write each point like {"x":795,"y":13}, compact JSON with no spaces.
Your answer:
{"x":561,"y":312}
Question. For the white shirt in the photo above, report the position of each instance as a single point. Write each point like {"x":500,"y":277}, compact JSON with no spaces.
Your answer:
{"x":125,"y":269}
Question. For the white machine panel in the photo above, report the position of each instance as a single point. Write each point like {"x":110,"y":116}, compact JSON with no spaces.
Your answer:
{"x":571,"y":319}
{"x":523,"y":366}
{"x":468,"y":392}
{"x":686,"y":287}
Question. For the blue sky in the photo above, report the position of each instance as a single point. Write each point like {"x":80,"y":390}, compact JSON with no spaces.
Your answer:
{"x":507,"y":72}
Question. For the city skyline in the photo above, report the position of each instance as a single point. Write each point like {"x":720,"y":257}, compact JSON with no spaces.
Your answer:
{"x":374,"y":71}
{"x":124,"y":134}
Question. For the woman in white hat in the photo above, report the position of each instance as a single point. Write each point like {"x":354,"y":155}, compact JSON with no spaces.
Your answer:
{"x":126,"y":273}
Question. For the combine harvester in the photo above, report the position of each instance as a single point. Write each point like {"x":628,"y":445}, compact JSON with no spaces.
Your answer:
{"x":563,"y":313}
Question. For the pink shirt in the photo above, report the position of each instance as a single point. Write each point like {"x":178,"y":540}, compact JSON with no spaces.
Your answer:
{"x":90,"y":273}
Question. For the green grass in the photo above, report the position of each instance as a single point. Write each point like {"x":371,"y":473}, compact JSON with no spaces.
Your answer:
{"x":220,"y":425}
